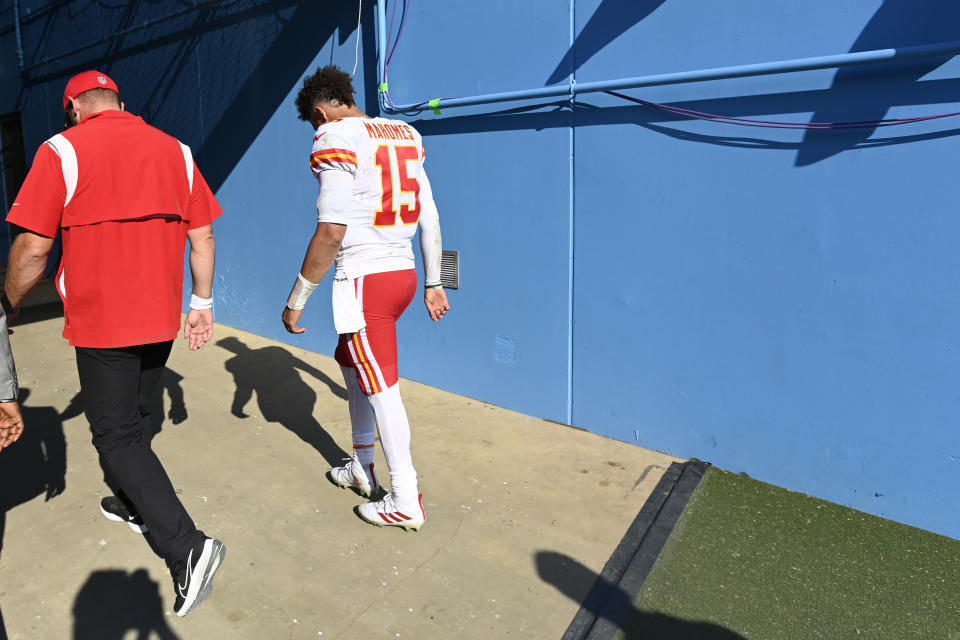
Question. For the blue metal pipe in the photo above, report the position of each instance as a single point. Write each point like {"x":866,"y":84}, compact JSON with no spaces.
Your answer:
{"x":742,"y":71}
{"x":381,"y":50}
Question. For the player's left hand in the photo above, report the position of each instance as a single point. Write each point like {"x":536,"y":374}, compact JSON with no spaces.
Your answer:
{"x":198,"y":327}
{"x":290,"y":319}
{"x":436,"y":301}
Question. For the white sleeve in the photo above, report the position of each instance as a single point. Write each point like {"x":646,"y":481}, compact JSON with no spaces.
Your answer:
{"x":336,"y":196}
{"x":333,"y":151}
{"x":334,"y":162}
{"x":431,"y":244}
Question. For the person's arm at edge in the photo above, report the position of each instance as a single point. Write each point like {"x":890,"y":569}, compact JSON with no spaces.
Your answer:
{"x":11,"y":419}
{"x":323,"y":248}
{"x":198,"y":327}
{"x":27,"y":262}
{"x":25,"y":267}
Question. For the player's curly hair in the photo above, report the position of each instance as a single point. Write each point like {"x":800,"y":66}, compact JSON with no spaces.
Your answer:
{"x":328,"y":84}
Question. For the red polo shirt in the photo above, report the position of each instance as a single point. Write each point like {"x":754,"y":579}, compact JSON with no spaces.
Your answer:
{"x":123,"y":194}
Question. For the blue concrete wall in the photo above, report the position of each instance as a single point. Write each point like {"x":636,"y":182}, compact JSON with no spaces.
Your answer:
{"x":777,"y":302}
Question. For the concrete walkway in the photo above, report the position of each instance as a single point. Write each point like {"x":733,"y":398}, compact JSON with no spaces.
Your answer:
{"x":248,"y":428}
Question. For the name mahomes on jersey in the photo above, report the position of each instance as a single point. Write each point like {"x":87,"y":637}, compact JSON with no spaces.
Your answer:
{"x":384,"y":198}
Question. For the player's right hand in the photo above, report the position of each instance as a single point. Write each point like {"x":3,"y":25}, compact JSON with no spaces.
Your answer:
{"x":436,"y":301}
{"x":290,"y":319}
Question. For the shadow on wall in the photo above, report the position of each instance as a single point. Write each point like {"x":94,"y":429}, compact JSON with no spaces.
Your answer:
{"x":857,"y":93}
{"x":112,"y":603}
{"x":618,"y":611}
{"x":897,"y":23}
{"x":212,"y":77}
{"x":36,"y":464}
{"x":263,"y":90}
{"x":282,"y":396}
{"x":611,"y":20}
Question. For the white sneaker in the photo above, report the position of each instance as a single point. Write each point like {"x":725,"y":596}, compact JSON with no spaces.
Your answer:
{"x":353,"y":476}
{"x":387,"y":513}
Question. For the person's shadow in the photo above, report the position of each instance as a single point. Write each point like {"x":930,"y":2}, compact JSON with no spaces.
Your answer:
{"x":112,"y":603}
{"x":617,"y":609}
{"x":36,"y":464}
{"x":169,"y":383}
{"x":282,"y":396}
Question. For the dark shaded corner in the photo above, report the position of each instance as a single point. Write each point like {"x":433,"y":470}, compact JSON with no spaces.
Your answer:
{"x":282,"y":396}
{"x":265,"y":88}
{"x":114,"y":602}
{"x":3,"y":629}
{"x":36,"y":464}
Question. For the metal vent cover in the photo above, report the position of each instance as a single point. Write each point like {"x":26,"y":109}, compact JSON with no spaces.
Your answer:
{"x":450,"y":269}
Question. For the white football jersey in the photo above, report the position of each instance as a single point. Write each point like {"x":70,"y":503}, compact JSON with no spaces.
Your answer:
{"x":384,"y":196}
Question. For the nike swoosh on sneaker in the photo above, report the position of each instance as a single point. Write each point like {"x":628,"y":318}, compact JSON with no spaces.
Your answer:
{"x":185,"y":586}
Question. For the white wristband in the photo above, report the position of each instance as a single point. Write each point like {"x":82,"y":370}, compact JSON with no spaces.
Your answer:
{"x":199,"y":304}
{"x":302,"y":289}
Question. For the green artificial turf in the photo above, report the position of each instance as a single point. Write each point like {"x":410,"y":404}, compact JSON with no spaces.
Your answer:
{"x":750,"y":560}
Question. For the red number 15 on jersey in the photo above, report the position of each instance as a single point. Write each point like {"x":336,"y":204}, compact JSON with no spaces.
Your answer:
{"x":386,"y":216}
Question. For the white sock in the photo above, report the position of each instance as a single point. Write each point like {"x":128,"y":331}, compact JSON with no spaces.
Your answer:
{"x":363,"y":423}
{"x":395,"y":439}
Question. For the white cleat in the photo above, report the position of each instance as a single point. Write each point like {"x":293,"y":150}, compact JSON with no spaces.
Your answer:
{"x":387,"y":513}
{"x":353,"y":476}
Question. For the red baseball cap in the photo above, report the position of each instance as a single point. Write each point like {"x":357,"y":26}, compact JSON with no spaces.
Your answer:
{"x":86,"y":81}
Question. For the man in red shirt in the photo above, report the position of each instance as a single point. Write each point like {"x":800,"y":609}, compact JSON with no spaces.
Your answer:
{"x":125,"y":197}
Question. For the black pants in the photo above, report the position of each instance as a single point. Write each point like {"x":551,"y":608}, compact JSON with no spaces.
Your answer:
{"x":117,"y":385}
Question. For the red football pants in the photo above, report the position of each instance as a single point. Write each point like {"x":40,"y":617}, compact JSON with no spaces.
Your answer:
{"x":372,"y":351}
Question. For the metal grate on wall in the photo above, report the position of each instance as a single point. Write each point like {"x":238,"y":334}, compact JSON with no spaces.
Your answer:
{"x":450,"y":269}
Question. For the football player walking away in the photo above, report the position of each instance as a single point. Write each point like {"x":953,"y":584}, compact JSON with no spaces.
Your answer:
{"x":374,"y":195}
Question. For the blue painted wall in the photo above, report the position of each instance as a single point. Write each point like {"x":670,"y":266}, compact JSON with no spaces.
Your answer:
{"x":778,"y":302}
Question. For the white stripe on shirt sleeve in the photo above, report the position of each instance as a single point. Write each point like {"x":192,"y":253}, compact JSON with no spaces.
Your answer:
{"x":188,"y":159}
{"x":68,"y":163}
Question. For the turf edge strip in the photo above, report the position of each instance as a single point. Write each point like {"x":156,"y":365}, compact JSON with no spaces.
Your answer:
{"x":630,"y":563}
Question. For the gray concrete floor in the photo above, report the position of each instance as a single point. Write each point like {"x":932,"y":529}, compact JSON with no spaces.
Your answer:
{"x":506,"y":495}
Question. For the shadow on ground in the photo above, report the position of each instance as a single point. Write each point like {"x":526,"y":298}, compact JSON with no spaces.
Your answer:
{"x":112,"y":603}
{"x":36,"y":464}
{"x":282,"y":396}
{"x":575,"y":581}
